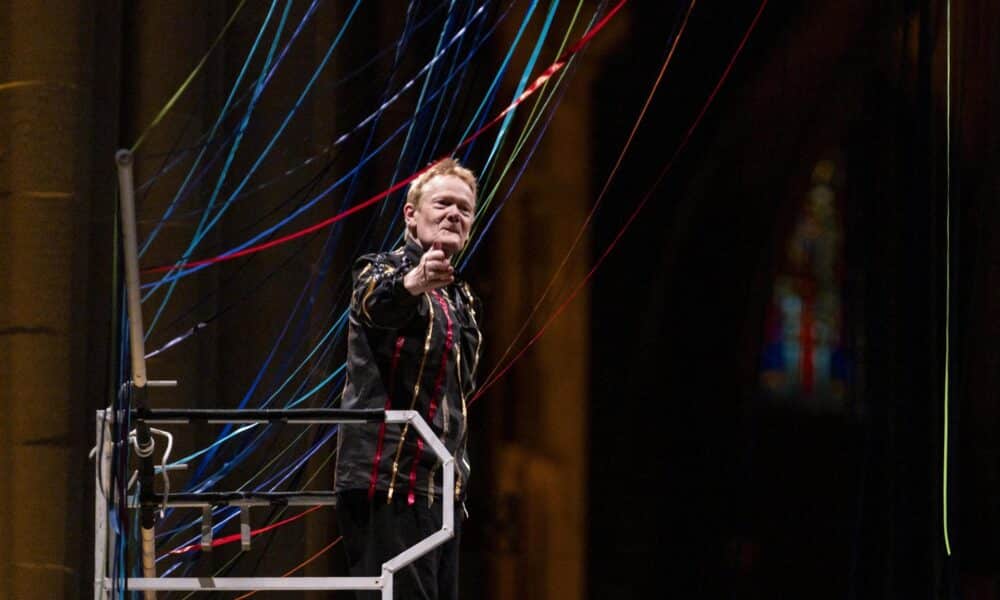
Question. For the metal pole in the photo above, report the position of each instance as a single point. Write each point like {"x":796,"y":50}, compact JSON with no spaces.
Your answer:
{"x":386,"y":584}
{"x":102,"y":471}
{"x":123,"y":158}
{"x":147,"y":510}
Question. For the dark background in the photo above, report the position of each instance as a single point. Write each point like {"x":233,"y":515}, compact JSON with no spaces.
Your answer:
{"x":700,"y":485}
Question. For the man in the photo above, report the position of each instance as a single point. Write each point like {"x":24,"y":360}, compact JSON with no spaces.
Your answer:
{"x":413,"y":343}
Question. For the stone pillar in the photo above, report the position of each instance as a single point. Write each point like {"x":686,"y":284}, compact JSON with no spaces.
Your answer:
{"x":46,"y":81}
{"x":541,"y":462}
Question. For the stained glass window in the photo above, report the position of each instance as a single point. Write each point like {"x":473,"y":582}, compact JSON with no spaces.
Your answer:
{"x":804,"y":360}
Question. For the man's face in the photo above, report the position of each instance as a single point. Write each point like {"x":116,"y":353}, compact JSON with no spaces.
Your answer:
{"x":444,"y":214}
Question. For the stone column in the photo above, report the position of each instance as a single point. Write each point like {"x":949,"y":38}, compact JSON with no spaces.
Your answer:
{"x":46,"y":81}
{"x":541,"y":466}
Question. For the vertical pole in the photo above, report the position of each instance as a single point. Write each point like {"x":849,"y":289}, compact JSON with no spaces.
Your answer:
{"x":123,"y":158}
{"x":102,"y":466}
{"x":245,"y":528}
{"x":137,"y":346}
{"x":386,"y":585}
{"x":206,"y":529}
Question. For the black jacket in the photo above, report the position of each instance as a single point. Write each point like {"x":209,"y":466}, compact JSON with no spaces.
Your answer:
{"x":406,"y":352}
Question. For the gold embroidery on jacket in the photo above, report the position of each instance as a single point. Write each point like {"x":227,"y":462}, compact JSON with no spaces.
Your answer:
{"x":475,"y":327}
{"x":364,"y":300}
{"x":430,"y":485}
{"x":357,"y":295}
{"x":472,"y":378}
{"x":381,"y":271}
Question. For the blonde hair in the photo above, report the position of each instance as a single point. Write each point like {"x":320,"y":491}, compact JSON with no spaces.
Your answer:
{"x":447,"y":166}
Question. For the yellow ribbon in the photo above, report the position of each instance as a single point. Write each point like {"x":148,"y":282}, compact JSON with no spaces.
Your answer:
{"x":187,"y":82}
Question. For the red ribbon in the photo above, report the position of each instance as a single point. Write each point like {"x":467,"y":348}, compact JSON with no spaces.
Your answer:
{"x":537,"y":83}
{"x":438,"y":381}
{"x":229,"y":539}
{"x":381,"y":427}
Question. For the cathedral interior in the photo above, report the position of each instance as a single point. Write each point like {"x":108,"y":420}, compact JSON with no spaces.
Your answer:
{"x":741,"y":302}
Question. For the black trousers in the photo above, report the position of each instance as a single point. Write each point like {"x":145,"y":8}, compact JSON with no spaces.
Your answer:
{"x":375,"y":531}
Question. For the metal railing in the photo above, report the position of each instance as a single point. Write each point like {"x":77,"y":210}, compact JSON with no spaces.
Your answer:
{"x":105,"y":537}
